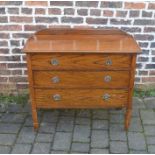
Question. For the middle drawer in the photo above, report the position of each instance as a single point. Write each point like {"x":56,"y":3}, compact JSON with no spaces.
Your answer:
{"x":81,"y":79}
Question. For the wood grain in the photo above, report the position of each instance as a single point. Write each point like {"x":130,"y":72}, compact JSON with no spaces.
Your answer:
{"x":130,"y":94}
{"x":80,"y":62}
{"x":81,"y":31}
{"x":81,"y":79}
{"x":32,"y":95}
{"x":81,"y":57}
{"x":80,"y":98}
{"x":88,"y":41}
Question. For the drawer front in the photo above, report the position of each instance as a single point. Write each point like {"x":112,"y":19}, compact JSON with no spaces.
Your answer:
{"x":81,"y":79}
{"x":78,"y":98}
{"x":80,"y":62}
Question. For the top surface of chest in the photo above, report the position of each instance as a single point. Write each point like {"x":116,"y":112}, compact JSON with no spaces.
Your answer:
{"x":85,"y":41}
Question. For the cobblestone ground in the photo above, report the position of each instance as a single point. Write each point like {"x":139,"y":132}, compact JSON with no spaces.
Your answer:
{"x":79,"y":131}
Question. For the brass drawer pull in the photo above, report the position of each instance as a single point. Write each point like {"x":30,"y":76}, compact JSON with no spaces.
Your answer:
{"x":108,"y":62}
{"x":55,"y":62}
{"x":106,"y":97}
{"x":56,"y":97}
{"x":55,"y":79}
{"x":107,"y":78}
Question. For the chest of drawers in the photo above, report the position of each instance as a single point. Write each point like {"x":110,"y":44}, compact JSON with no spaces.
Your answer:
{"x":88,"y":68}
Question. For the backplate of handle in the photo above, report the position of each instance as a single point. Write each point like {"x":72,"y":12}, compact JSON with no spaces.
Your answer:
{"x":108,"y":62}
{"x":106,"y":97}
{"x":56,"y":97}
{"x":55,"y":79}
{"x":107,"y":78}
{"x":55,"y":62}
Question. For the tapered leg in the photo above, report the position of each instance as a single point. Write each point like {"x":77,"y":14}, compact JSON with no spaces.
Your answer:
{"x":127,"y":119}
{"x":35,"y":119}
{"x":130,"y":94}
{"x":32,"y":95}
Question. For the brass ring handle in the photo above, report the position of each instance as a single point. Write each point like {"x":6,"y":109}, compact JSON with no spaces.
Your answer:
{"x":55,"y":79}
{"x":56,"y":97}
{"x":107,"y":78}
{"x":55,"y":62}
{"x":106,"y":97}
{"x":108,"y":62}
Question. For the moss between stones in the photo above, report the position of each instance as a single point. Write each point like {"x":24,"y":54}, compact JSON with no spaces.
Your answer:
{"x":13,"y":99}
{"x":144,"y":93}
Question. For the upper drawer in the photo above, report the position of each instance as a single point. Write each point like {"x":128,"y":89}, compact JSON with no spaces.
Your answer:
{"x":80,"y":62}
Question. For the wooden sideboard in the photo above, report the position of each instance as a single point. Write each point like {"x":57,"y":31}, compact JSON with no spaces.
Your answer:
{"x":87,"y":68}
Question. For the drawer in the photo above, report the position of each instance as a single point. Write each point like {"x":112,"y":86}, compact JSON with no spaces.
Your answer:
{"x":81,"y":79}
{"x":78,"y":98}
{"x":80,"y":62}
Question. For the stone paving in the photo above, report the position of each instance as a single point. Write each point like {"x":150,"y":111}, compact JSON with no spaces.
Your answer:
{"x":78,"y":131}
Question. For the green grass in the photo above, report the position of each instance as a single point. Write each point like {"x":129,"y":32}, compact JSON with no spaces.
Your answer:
{"x":144,"y":93}
{"x":15,"y":99}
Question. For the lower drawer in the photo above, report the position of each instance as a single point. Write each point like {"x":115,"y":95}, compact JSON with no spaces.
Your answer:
{"x":80,"y":98}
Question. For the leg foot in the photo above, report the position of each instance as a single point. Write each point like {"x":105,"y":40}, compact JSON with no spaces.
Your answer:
{"x":35,"y":119}
{"x":35,"y":125}
{"x":127,"y":119}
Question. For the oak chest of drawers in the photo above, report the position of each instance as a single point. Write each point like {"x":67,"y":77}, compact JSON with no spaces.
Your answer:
{"x":88,"y":68}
